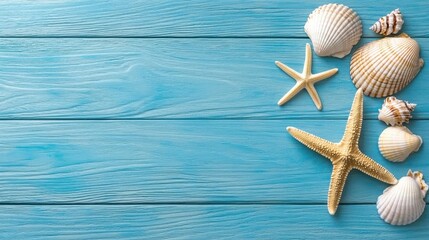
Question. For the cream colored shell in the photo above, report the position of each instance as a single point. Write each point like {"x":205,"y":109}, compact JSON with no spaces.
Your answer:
{"x":394,"y":112}
{"x":397,"y":143}
{"x":384,"y":67}
{"x":333,"y":29}
{"x":391,"y":23}
{"x":403,"y":203}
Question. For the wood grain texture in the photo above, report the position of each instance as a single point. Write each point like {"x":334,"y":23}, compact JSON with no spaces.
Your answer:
{"x":201,"y":222}
{"x":181,"y":161}
{"x":169,"y":18}
{"x":174,"y":79}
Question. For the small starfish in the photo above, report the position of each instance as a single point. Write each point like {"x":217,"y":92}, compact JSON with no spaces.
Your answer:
{"x":344,"y":155}
{"x":305,"y":79}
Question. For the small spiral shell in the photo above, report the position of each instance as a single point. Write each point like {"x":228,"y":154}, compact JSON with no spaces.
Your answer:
{"x":395,"y":112}
{"x":391,"y":23}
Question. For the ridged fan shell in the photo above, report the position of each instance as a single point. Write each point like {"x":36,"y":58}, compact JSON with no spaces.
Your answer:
{"x":333,"y":29}
{"x":397,"y":143}
{"x":391,"y":23}
{"x":403,"y":203}
{"x":384,"y":67}
{"x":395,"y":112}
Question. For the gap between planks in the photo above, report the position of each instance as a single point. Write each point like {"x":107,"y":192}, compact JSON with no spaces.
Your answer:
{"x":219,"y":203}
{"x":172,"y":37}
{"x":189,"y":119}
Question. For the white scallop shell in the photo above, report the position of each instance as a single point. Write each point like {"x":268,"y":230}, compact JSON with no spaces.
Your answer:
{"x":384,"y":67}
{"x":397,"y":143}
{"x":403,"y":203}
{"x":333,"y":29}
{"x":394,"y":112}
{"x":391,"y":23}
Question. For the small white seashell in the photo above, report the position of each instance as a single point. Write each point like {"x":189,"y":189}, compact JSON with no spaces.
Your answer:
{"x":384,"y":67}
{"x":394,"y":112}
{"x":333,"y":29}
{"x":403,"y":203}
{"x":391,"y":23}
{"x":397,"y":143}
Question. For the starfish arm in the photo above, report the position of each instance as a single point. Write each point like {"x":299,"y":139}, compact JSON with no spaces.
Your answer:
{"x":339,"y":175}
{"x":313,"y":94}
{"x":289,"y":95}
{"x":354,"y":122}
{"x":289,"y":71}
{"x":307,"y":62}
{"x":323,"y":75}
{"x":323,"y":147}
{"x":370,"y":167}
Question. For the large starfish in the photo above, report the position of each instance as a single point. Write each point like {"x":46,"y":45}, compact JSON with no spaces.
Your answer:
{"x":344,"y":155}
{"x":305,"y":79}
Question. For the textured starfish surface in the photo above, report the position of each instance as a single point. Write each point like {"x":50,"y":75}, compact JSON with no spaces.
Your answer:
{"x":305,"y":79}
{"x":344,"y":155}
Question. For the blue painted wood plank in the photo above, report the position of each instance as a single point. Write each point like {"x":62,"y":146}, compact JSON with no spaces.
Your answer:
{"x":254,"y":18}
{"x":201,"y":222}
{"x":181,"y":161}
{"x":174,"y":79}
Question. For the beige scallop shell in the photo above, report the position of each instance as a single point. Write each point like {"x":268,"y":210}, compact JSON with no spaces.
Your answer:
{"x":403,"y":203}
{"x":397,"y":143}
{"x":391,"y":23}
{"x":394,"y":112}
{"x":333,"y":29}
{"x":384,"y":67}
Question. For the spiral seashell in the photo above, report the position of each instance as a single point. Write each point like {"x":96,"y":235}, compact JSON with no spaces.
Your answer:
{"x":384,"y":67}
{"x":333,"y":30}
{"x":403,"y":203}
{"x":397,"y":143}
{"x":391,"y":23}
{"x":394,"y":112}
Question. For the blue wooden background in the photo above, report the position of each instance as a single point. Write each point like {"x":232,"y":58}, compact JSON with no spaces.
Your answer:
{"x":158,"y":119}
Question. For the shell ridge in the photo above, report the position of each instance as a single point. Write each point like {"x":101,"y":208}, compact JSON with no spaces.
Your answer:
{"x":345,"y":25}
{"x":327,"y":33}
{"x":396,"y":207}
